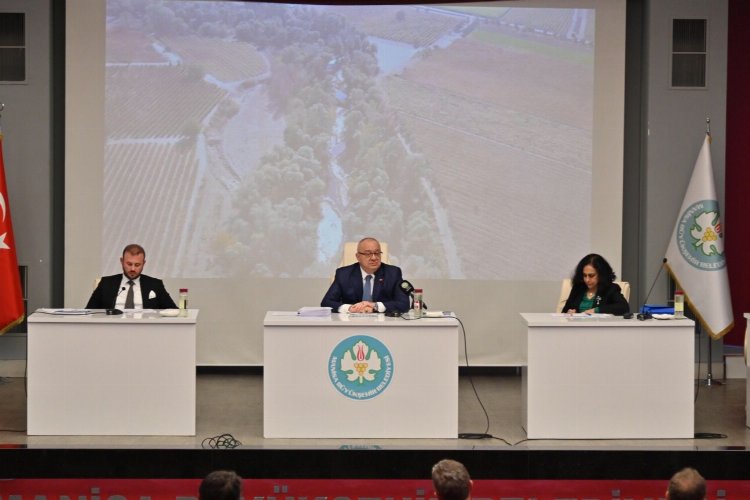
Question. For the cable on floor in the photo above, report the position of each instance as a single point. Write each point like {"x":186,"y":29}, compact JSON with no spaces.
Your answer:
{"x":224,"y":441}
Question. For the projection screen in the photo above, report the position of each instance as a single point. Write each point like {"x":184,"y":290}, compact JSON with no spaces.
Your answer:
{"x":242,"y":143}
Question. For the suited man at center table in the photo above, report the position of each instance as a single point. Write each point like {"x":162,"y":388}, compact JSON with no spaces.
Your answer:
{"x":117,"y":291}
{"x":368,"y":285}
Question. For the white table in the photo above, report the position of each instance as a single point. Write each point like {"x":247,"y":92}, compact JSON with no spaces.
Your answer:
{"x":131,"y":374}
{"x":301,"y":398}
{"x":608,"y":378}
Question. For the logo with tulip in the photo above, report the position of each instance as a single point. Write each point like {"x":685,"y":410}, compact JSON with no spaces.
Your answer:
{"x":700,"y":238}
{"x":360,"y":367}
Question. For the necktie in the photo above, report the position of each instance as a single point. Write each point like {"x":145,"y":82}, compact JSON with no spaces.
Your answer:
{"x":367,"y":291}
{"x":129,"y":303}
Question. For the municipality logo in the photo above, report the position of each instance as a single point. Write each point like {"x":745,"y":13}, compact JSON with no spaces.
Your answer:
{"x":360,"y":367}
{"x":699,"y":236}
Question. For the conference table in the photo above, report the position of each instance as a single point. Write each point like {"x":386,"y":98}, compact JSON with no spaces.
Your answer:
{"x":608,"y":378}
{"x":359,"y":376}
{"x":94,"y":374}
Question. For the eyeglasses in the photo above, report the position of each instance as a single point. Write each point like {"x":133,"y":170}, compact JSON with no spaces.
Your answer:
{"x":369,"y":255}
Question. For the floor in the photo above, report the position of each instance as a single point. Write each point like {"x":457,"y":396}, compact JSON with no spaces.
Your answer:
{"x":231,"y":403}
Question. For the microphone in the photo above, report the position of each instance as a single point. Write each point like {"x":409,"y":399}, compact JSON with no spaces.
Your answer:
{"x":113,"y":311}
{"x":646,"y":315}
{"x":407,"y":288}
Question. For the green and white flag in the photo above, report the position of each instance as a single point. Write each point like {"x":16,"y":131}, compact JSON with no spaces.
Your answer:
{"x":695,"y":255}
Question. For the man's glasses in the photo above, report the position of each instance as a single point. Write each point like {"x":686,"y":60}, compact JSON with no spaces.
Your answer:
{"x":369,"y":255}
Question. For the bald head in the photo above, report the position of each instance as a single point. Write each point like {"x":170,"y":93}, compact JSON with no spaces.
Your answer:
{"x":687,"y":484}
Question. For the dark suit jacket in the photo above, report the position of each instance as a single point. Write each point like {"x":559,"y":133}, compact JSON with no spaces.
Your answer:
{"x":347,"y":288}
{"x":105,"y":295}
{"x":610,"y":299}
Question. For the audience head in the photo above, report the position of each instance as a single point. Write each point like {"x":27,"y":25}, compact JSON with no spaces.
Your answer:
{"x":220,"y":485}
{"x":133,"y":259}
{"x":368,"y":254}
{"x":451,"y":480}
{"x":687,"y":484}
{"x":593,"y":264}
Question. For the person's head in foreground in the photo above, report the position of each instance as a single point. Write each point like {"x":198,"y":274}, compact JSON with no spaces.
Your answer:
{"x":451,"y":480}
{"x":687,"y":484}
{"x":220,"y":485}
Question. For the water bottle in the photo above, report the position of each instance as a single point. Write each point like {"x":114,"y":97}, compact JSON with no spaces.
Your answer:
{"x":417,"y":303}
{"x":183,"y":302}
{"x":679,"y":304}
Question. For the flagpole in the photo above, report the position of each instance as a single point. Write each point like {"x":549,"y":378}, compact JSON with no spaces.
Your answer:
{"x":709,"y":380}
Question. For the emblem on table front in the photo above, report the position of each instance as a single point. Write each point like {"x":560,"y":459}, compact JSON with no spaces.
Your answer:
{"x":360,"y":367}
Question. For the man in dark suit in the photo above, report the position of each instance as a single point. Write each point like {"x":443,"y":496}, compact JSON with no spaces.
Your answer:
{"x":367,"y":286}
{"x":131,"y":289}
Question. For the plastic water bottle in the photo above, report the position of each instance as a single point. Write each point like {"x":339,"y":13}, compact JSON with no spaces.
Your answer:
{"x":182,"y":302}
{"x":417,"y":303}
{"x":679,"y":304}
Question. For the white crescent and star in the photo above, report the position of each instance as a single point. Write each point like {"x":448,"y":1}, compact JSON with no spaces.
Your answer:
{"x":3,"y":245}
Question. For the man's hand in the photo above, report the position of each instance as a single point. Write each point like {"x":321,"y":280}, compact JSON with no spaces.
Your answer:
{"x":362,"y":307}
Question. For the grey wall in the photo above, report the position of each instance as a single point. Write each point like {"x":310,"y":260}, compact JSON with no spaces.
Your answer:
{"x":675,"y":121}
{"x":27,"y":151}
{"x":665,"y":128}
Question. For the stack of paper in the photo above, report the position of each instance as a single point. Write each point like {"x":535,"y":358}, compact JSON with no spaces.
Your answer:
{"x":66,"y":311}
{"x":314,"y":311}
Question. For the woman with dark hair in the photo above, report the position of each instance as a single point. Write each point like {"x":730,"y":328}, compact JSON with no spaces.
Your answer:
{"x":594,"y":290}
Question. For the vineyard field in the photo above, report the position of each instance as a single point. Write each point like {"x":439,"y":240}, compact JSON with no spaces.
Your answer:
{"x":126,"y":46}
{"x":498,"y":208}
{"x":417,"y":26}
{"x":155,"y":101}
{"x":148,"y":188}
{"x":224,"y":60}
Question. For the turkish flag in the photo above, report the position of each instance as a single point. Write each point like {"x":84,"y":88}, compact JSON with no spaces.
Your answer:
{"x":11,"y":298}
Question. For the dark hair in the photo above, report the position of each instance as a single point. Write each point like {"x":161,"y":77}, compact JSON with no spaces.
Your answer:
{"x":220,"y":485}
{"x":603,"y":269}
{"x":687,"y":484}
{"x":134,"y":249}
{"x":451,"y":480}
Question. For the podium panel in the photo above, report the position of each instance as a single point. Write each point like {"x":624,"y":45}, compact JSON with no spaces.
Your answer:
{"x":609,"y":378}
{"x":312,"y":387}
{"x":132,"y":374}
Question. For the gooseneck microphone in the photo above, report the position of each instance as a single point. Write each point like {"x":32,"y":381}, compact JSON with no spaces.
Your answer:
{"x":647,"y":315}
{"x":113,"y":311}
{"x":407,"y":288}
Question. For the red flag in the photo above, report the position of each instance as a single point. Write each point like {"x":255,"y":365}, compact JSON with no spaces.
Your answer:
{"x":11,"y":298}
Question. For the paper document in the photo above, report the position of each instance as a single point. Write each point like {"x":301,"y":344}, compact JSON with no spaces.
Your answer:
{"x":581,"y":315}
{"x":314,"y":311}
{"x":67,"y":312}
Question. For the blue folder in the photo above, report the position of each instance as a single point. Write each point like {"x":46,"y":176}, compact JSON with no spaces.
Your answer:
{"x":657,"y":309}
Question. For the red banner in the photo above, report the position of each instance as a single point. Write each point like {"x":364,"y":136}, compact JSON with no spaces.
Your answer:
{"x":11,"y":298}
{"x":352,"y":489}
